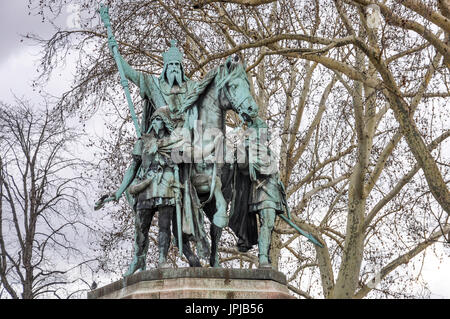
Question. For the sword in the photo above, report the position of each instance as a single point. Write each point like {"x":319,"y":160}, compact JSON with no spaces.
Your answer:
{"x":104,"y":14}
{"x":178,"y":208}
{"x":288,"y":220}
{"x":310,"y":237}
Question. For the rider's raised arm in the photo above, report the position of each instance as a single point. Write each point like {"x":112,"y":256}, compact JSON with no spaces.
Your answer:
{"x":145,"y":82}
{"x":130,"y":73}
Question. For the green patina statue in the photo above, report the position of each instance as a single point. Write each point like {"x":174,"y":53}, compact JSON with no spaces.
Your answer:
{"x":155,"y":187}
{"x":266,"y":192}
{"x":259,"y":191}
{"x":169,"y":89}
{"x":179,"y":168}
{"x":262,"y":192}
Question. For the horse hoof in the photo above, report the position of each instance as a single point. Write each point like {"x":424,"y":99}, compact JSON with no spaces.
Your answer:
{"x":194,"y":262}
{"x":220,"y":220}
{"x":265,"y":266}
{"x":163,"y":265}
{"x":214,"y":263}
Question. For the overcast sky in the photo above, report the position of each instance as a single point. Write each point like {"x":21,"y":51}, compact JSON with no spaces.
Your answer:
{"x":18,"y":68}
{"x":14,"y":20}
{"x":18,"y":57}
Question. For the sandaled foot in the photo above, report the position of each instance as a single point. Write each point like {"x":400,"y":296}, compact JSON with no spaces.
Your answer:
{"x":137,"y":264}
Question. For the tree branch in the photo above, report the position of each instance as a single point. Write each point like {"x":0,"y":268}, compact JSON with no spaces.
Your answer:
{"x":403,"y":259}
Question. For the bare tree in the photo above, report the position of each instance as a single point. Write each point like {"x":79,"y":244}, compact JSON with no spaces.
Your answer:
{"x":358,"y":115}
{"x":41,"y":211}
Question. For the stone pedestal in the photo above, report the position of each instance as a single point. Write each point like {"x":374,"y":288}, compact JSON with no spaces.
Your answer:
{"x":193,"y":283}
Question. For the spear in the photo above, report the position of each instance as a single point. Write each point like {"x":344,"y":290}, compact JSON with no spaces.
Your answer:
{"x":104,"y":14}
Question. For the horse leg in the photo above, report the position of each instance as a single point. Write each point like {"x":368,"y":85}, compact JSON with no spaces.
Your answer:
{"x":187,"y":251}
{"x":189,"y":254}
{"x":220,"y":218}
{"x":216,"y":233}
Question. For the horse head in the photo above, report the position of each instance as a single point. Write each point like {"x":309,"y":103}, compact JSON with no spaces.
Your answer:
{"x":235,"y":86}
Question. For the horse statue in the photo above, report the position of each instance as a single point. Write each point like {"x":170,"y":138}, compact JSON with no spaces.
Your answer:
{"x":224,"y":88}
{"x":208,"y":182}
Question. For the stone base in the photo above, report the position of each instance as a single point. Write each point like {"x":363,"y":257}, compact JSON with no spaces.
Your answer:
{"x":194,"y":283}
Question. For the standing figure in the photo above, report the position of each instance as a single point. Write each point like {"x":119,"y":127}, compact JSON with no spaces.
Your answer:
{"x":265,"y":196}
{"x":266,"y":201}
{"x":151,"y":181}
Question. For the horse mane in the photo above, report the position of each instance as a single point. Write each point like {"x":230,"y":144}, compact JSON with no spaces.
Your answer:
{"x":193,"y":96}
{"x":221,"y":75}
{"x":229,"y":70}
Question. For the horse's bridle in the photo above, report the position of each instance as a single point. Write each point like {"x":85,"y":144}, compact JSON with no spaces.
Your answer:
{"x":233,"y":101}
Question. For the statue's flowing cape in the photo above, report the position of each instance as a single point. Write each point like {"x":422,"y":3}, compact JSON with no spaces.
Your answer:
{"x":242,"y":222}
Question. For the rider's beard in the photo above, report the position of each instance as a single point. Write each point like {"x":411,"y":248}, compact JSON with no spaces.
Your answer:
{"x":174,"y":77}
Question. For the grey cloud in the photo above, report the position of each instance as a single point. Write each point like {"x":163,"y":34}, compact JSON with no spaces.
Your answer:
{"x":15,"y":21}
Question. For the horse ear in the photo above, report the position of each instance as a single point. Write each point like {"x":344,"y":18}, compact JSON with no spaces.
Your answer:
{"x":228,"y":62}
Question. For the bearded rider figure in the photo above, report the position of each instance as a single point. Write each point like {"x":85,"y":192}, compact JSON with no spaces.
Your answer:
{"x":173,"y":90}
{"x":169,"y":89}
